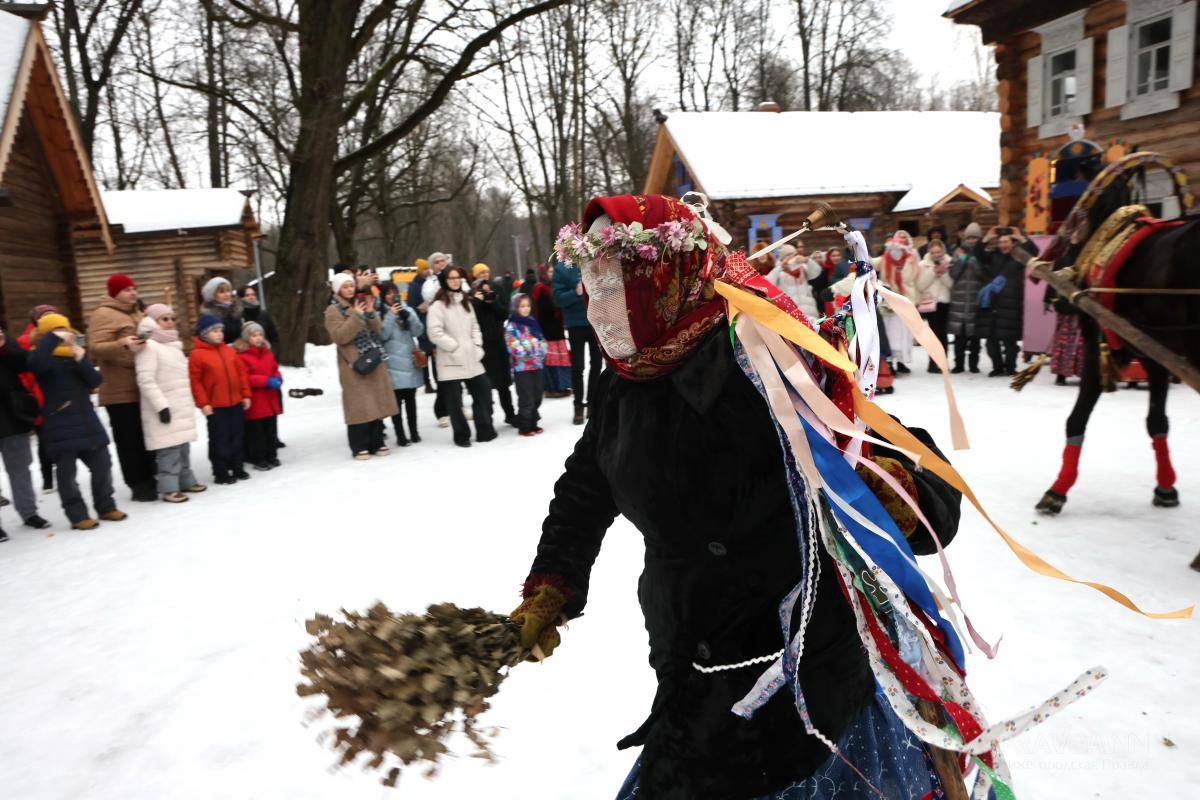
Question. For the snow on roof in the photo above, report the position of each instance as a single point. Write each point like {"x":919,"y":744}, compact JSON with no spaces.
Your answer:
{"x":736,"y":155}
{"x":14,"y":31}
{"x":957,"y":4}
{"x":926,"y":194}
{"x":174,"y":209}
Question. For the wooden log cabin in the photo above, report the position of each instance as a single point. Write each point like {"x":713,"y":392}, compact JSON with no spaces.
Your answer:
{"x":1122,"y":70}
{"x":49,"y":201}
{"x":61,"y":236}
{"x":171,"y":241}
{"x":764,"y":171}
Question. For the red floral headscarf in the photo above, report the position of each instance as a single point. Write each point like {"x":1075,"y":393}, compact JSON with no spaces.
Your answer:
{"x":672,"y":302}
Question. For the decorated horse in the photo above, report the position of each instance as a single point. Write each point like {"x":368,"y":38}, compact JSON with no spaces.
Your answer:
{"x":1110,"y":253}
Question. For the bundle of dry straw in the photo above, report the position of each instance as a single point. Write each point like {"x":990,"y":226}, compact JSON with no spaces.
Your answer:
{"x":411,"y":680}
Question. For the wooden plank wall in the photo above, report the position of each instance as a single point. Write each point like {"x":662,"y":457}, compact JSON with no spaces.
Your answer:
{"x":1172,"y":133}
{"x":164,"y":265}
{"x":36,"y":264}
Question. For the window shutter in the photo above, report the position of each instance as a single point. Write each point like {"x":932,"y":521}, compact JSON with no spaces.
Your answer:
{"x":1183,"y":46}
{"x":1033,"y":92}
{"x":1084,"y":70}
{"x":1116,"y":70}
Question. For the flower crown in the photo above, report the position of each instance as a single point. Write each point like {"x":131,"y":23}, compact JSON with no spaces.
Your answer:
{"x":628,"y":242}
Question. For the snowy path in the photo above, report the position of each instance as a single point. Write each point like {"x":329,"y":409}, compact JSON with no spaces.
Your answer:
{"x":155,"y":659}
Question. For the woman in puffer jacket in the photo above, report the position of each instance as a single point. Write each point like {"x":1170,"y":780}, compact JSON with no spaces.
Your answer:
{"x":168,"y":411}
{"x":455,"y":333}
{"x":934,"y":284}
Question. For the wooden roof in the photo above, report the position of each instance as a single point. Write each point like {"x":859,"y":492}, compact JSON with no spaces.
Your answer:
{"x":35,"y":87}
{"x":1000,"y":19}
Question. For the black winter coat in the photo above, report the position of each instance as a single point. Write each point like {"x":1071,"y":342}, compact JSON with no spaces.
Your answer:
{"x":414,"y":300}
{"x":693,"y":461}
{"x":968,"y":279}
{"x":491,"y":315}
{"x":18,"y":408}
{"x":70,"y":424}
{"x":1005,"y":321}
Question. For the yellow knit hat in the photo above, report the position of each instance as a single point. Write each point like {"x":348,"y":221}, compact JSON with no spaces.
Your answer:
{"x":479,"y":269}
{"x":52,"y":322}
{"x":421,"y":263}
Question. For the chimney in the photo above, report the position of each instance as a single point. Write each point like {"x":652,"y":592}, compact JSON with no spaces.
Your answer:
{"x":770,"y":106}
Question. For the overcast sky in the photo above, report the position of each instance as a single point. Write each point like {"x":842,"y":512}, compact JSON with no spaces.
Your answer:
{"x":936,"y":46}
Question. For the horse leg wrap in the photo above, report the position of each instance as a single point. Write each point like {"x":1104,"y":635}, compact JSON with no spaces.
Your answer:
{"x":1162,"y":456}
{"x":1070,"y":466}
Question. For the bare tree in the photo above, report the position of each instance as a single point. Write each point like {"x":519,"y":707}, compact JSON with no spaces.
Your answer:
{"x":90,"y":36}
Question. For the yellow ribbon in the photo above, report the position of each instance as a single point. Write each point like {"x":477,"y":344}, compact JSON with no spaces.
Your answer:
{"x":774,"y":318}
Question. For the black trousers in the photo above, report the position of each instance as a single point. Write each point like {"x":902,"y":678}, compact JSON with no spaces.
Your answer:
{"x":137,"y":464}
{"x":439,"y":403}
{"x":226,"y":437}
{"x":99,"y":464}
{"x":262,"y":440}
{"x":45,"y":462}
{"x":406,"y":401}
{"x":582,"y":341}
{"x":1003,"y":353}
{"x":365,"y":436}
{"x":481,"y":408}
{"x":531,"y":386}
{"x":506,"y":402}
{"x":964,"y":344}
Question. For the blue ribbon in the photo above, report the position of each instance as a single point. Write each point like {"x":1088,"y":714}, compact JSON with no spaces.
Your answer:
{"x":843,"y":480}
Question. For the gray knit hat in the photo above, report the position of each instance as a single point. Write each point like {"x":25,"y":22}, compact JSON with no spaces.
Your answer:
{"x":973,"y":230}
{"x":251,"y":328}
{"x":210,"y":289}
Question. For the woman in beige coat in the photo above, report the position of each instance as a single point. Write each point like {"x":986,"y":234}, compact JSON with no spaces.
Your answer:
{"x":454,"y":331}
{"x":367,"y":400}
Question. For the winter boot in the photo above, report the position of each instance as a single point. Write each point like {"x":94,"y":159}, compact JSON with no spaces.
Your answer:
{"x":115,"y":515}
{"x":175,"y":497}
{"x":240,"y":473}
{"x":37,"y":523}
{"x":85,"y":525}
{"x":3,"y":535}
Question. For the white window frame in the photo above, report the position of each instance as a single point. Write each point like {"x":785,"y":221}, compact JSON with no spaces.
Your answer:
{"x":1059,"y":36}
{"x":1135,"y":51}
{"x":1121,"y":85}
{"x":1159,"y":188}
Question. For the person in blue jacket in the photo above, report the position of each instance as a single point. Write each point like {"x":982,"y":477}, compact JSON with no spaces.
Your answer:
{"x":402,"y":327}
{"x":568,"y":295}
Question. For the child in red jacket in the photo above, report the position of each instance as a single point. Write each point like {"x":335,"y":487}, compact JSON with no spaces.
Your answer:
{"x":221,"y":392}
{"x":262,"y":370}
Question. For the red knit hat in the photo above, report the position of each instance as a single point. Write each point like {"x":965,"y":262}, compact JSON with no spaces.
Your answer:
{"x":118,"y":283}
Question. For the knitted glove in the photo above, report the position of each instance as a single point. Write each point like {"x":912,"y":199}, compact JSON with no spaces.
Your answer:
{"x":164,"y":416}
{"x":893,"y":504}
{"x":539,"y":614}
{"x":274,"y":382}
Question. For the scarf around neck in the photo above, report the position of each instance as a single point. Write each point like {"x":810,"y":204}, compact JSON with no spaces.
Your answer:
{"x":528,"y":323}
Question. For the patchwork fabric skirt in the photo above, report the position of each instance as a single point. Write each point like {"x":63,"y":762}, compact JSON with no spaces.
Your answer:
{"x":884,"y":759}
{"x":1067,"y":357}
{"x":558,"y":366}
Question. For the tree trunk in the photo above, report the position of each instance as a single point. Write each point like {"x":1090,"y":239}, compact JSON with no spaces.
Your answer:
{"x":325,"y":40}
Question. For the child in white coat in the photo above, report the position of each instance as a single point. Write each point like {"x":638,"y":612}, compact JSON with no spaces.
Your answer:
{"x":168,"y":411}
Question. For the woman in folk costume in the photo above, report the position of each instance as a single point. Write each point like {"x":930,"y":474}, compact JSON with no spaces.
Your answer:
{"x":898,"y":269}
{"x":683,"y":442}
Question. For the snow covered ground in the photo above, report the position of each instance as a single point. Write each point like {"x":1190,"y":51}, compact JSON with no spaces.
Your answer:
{"x":157,"y":658}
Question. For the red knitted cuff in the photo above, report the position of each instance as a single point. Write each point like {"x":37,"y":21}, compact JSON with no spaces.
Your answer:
{"x":541,"y":579}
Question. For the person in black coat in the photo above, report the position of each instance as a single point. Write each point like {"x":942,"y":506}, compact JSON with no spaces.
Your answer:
{"x":491,"y":315}
{"x":71,"y":429}
{"x":18,"y":412}
{"x":690,"y":455}
{"x":252,"y":311}
{"x":1002,"y":320}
